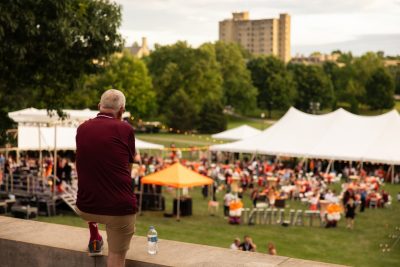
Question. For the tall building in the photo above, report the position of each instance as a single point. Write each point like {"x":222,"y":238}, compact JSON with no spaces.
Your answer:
{"x":260,"y":36}
{"x":140,"y":50}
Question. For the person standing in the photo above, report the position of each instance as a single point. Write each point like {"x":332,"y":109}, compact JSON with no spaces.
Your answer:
{"x":350,"y":213}
{"x":254,"y":197}
{"x":363,"y":199}
{"x":227,"y":202}
{"x":105,"y":152}
{"x":67,"y":172}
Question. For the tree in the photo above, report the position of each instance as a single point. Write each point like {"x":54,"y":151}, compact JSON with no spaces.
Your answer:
{"x":195,"y":72}
{"x":395,"y":71}
{"x":274,"y":82}
{"x":354,"y":93}
{"x":313,"y":85}
{"x":211,"y":118}
{"x":130,"y":75}
{"x":48,"y":46}
{"x":239,"y":91}
{"x":181,"y":113}
{"x":282,"y":90}
{"x":380,"y":90}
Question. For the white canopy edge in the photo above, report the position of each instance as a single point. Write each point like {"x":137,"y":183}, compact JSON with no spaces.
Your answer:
{"x":338,"y":135}
{"x":28,"y":139}
{"x":32,"y":116}
{"x":237,"y":133}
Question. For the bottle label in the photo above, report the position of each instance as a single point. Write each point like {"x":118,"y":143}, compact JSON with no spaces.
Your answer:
{"x":152,"y":239}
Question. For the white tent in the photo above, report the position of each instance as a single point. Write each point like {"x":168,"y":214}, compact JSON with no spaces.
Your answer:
{"x":37,"y":116}
{"x":237,"y":133}
{"x":28,"y":139}
{"x":32,"y":121}
{"x":139,"y":144}
{"x":339,"y":135}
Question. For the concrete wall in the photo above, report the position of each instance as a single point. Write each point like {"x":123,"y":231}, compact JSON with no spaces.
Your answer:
{"x":30,"y":243}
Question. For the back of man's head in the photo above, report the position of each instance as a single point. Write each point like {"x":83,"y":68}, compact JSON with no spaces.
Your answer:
{"x":112,"y":101}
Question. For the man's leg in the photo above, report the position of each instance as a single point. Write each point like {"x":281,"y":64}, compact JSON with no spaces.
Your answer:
{"x":120,"y":230}
{"x":116,"y":259}
{"x":95,"y":246}
{"x":94,"y":231}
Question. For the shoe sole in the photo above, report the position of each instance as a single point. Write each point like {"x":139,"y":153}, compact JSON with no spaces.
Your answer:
{"x":95,"y":254}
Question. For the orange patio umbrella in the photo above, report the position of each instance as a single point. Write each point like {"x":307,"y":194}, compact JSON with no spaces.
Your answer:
{"x":177,"y":176}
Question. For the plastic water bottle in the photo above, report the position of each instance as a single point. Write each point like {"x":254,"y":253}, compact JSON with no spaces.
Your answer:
{"x":152,"y":240}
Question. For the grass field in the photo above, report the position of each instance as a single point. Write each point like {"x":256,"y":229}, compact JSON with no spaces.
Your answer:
{"x":236,"y":122}
{"x":358,"y":247}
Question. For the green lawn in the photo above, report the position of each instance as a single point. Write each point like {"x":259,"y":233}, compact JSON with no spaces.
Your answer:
{"x":358,"y":247}
{"x":180,"y":140}
{"x":234,"y":122}
{"x":197,"y":140}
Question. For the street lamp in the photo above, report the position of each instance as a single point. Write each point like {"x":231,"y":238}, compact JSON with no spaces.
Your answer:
{"x":262,"y":120}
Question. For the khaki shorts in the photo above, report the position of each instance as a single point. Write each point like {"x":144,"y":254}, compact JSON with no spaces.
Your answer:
{"x":120,"y":229}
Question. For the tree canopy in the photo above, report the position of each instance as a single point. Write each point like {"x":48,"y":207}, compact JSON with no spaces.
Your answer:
{"x":47,"y":46}
{"x":276,"y":89}
{"x":130,"y":75}
{"x":380,"y":90}
{"x":313,"y":85}
{"x":239,"y":91}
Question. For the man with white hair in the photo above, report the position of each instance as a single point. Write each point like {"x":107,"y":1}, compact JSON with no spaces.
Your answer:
{"x":105,"y":152}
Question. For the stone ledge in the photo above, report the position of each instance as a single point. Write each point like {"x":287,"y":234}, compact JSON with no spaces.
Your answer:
{"x":31,"y":243}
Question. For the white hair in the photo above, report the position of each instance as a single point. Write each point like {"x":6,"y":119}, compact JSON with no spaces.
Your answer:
{"x":112,"y":99}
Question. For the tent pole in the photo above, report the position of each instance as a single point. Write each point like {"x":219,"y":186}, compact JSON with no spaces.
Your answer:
{"x":40,"y":153}
{"x":140,"y":198}
{"x":392,"y":173}
{"x":329,"y":166}
{"x":178,"y":205}
{"x":55,"y":159}
{"x":18,"y":155}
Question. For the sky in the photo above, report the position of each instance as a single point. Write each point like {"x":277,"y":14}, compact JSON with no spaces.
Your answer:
{"x":317,"y":25}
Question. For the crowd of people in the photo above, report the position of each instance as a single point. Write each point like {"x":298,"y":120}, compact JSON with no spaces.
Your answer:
{"x":65,"y":171}
{"x":268,"y":183}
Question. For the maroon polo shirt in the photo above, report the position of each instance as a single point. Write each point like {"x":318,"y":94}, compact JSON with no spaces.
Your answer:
{"x":105,"y":147}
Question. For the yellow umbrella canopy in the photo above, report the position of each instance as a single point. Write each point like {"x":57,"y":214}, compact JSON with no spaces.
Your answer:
{"x":177,"y":176}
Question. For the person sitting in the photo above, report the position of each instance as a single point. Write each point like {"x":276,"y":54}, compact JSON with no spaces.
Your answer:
{"x":236,"y":243}
{"x":248,"y":244}
{"x":271,"y":249}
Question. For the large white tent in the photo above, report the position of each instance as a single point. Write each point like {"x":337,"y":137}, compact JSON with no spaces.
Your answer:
{"x":37,"y":116}
{"x":28,"y":139}
{"x":237,"y":133}
{"x":38,"y":127}
{"x":339,"y":135}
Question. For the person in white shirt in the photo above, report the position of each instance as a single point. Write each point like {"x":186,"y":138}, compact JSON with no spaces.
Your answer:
{"x":235,"y":244}
{"x":227,"y":201}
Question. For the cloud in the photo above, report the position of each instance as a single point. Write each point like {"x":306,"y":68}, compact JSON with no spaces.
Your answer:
{"x":314,"y":22}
